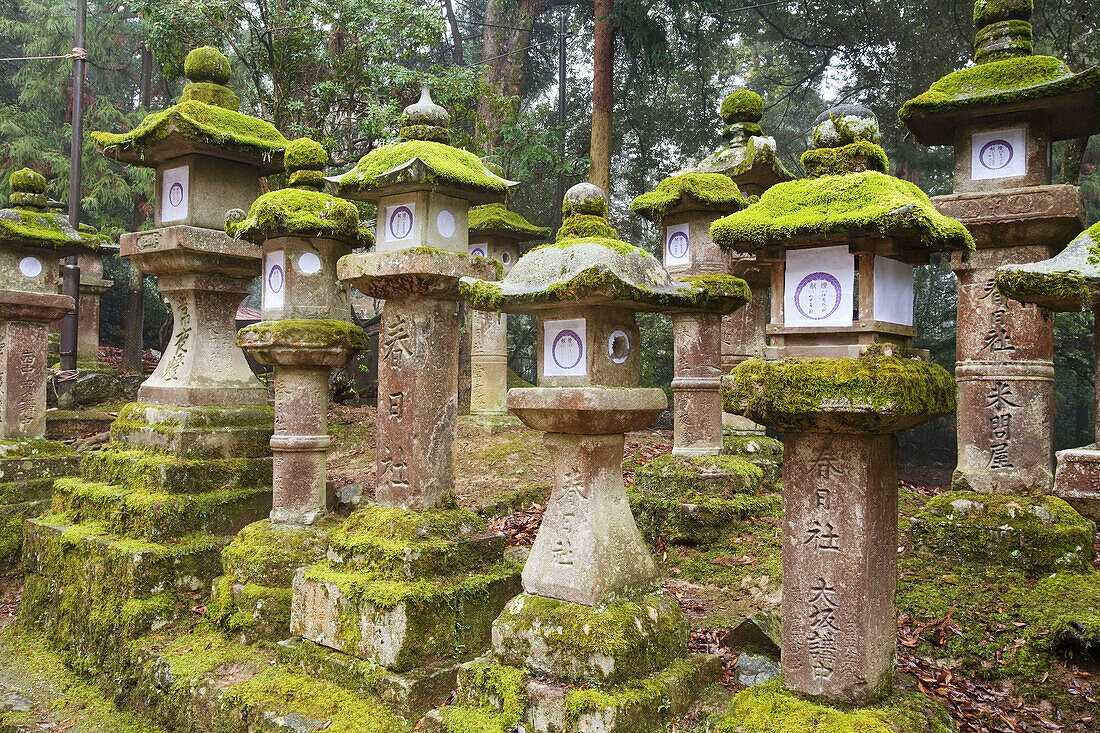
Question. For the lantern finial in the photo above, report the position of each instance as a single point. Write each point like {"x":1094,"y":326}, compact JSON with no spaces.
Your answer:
{"x":425,"y":120}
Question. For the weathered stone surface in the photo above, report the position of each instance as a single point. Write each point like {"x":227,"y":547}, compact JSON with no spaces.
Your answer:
{"x":95,"y":389}
{"x":588,"y":548}
{"x":23,"y":380}
{"x":761,"y":633}
{"x":204,"y":274}
{"x":300,"y":444}
{"x":92,"y":286}
{"x":1077,"y":480}
{"x":62,"y":424}
{"x":196,"y":432}
{"x":1017,"y":217}
{"x":1038,"y":534}
{"x":489,"y":363}
{"x":839,"y":565}
{"x":697,"y":403}
{"x":607,"y":644}
{"x":755,"y":669}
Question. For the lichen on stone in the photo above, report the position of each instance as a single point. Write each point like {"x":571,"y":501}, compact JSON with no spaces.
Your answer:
{"x":852,"y":158}
{"x":497,"y":217}
{"x":711,"y":191}
{"x":303,"y":332}
{"x":868,"y":203}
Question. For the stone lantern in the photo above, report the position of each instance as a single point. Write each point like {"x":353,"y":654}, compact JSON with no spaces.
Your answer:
{"x":1069,"y":281}
{"x":209,"y":159}
{"x":411,"y":582}
{"x":842,"y":383}
{"x":305,"y":331}
{"x":589,"y":574}
{"x":1002,"y":115}
{"x":495,"y":232}
{"x":32,"y":241}
{"x":684,"y":206}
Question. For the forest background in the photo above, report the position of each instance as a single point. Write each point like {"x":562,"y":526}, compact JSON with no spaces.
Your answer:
{"x":342,"y":70}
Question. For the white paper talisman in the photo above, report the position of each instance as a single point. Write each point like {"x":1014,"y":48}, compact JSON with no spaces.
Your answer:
{"x":893,"y":291}
{"x":998,"y":154}
{"x":274,"y":279}
{"x":563,"y":348}
{"x":677,"y":246}
{"x":173,"y":194}
{"x":818,"y":286}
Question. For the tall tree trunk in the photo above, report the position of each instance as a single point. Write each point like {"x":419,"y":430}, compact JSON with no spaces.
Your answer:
{"x":505,"y":39}
{"x":602,"y":95}
{"x":1072,"y":157}
{"x":456,"y":36}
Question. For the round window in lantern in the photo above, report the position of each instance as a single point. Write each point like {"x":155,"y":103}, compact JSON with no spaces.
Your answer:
{"x":506,"y":257}
{"x":30,"y":266}
{"x":618,"y":347}
{"x":445,"y":223}
{"x":309,"y":263}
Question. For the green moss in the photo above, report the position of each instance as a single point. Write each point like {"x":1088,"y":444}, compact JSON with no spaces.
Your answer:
{"x":853,"y":158}
{"x":1039,"y":535}
{"x":1005,"y":39}
{"x":506,"y":686}
{"x":303,"y":332}
{"x":483,"y":294}
{"x":33,"y":448}
{"x":268,"y":554}
{"x":586,"y":226}
{"x":40,"y":229}
{"x":445,"y":164}
{"x":302,"y":212}
{"x":742,"y":106}
{"x":1055,"y":290}
{"x":213,"y":94}
{"x":865,"y":203}
{"x":26,"y":180}
{"x":206,"y":64}
{"x":311,"y":180}
{"x":796,"y":389}
{"x":200,"y":123}
{"x":994,"y":11}
{"x":998,"y":83}
{"x":305,"y":154}
{"x":712,"y":191}
{"x":771,"y":708}
{"x":497,"y":217}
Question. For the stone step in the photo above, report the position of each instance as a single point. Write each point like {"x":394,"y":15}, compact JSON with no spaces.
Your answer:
{"x":30,"y":468}
{"x":401,"y":624}
{"x":160,"y":515}
{"x":87,"y":555}
{"x":509,"y":697}
{"x":149,"y":471}
{"x":410,"y":695}
{"x":12,"y":517}
{"x":703,"y":521}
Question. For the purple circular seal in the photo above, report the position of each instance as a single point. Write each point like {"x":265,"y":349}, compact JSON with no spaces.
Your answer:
{"x":175,"y":194}
{"x":678,"y":245}
{"x":567,"y":349}
{"x":817,"y":296}
{"x":996,"y":154}
{"x":478,"y":251}
{"x":401,"y":222}
{"x":275,"y":279}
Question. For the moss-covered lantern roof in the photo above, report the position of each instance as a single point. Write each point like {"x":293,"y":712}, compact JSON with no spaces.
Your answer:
{"x":690,"y":192}
{"x":847,"y":194}
{"x":30,"y":223}
{"x":1069,"y":281}
{"x":205,"y":121}
{"x":497,"y":219}
{"x":1006,"y":78}
{"x":423,"y":158}
{"x":749,"y":157}
{"x":589,"y":265}
{"x":303,"y":209}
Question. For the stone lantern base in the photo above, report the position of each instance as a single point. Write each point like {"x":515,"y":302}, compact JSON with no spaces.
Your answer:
{"x":770,"y":707}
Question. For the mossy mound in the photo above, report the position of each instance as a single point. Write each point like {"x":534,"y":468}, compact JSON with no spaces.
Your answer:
{"x":869,"y":203}
{"x":498,"y":218}
{"x":201,"y":123}
{"x":306,"y":333}
{"x":771,"y":708}
{"x":206,"y":64}
{"x":702,"y":191}
{"x":303,"y":213}
{"x":995,"y":11}
{"x":743,"y":105}
{"x":873,"y":393}
{"x":443,"y":165}
{"x":1069,"y":281}
{"x":1038,"y":535}
{"x":852,"y":158}
{"x":32,"y":227}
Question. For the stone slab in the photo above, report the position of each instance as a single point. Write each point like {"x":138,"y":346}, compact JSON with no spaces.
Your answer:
{"x":209,"y":432}
{"x":1077,"y":480}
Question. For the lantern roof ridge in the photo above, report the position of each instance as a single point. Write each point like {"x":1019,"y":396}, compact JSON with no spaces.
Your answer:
{"x":690,"y":191}
{"x":302,"y":209}
{"x":29,"y":222}
{"x":206,"y":121}
{"x":497,"y":218}
{"x":1069,"y":281}
{"x":749,"y":154}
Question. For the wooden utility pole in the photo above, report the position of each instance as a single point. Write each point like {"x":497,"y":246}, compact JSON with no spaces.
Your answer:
{"x":602,"y":94}
{"x":70,"y":271}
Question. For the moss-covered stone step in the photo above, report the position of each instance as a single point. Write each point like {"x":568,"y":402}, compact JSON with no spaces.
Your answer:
{"x":35,"y":489}
{"x":703,"y":521}
{"x":676,"y":476}
{"x":492,"y":696}
{"x":410,"y":694}
{"x":160,"y":515}
{"x":86,"y":553}
{"x":150,"y":471}
{"x":401,"y":624}
{"x":1037,"y":534}
{"x":12,"y":517}
{"x":763,"y":452}
{"x":65,"y":424}
{"x":399,"y":545}
{"x":196,"y":432}
{"x":20,"y":470}
{"x":770,"y":707}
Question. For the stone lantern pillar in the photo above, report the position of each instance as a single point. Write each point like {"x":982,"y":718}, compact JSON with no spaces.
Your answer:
{"x":92,"y":287}
{"x":305,"y":330}
{"x":590,"y":575}
{"x":32,"y":241}
{"x":369,"y":598}
{"x":839,"y":384}
{"x":208,"y":159}
{"x":1002,"y":131}
{"x":495,"y":232}
{"x":750,"y":159}
{"x":684,"y":206}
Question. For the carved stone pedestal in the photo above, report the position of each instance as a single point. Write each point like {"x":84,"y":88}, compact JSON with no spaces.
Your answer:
{"x":489,"y":363}
{"x":697,"y":403}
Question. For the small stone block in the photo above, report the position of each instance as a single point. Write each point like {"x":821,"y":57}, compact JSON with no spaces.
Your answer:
{"x":574,"y":642}
{"x":196,"y":432}
{"x":1077,"y":480}
{"x":1037,"y":534}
